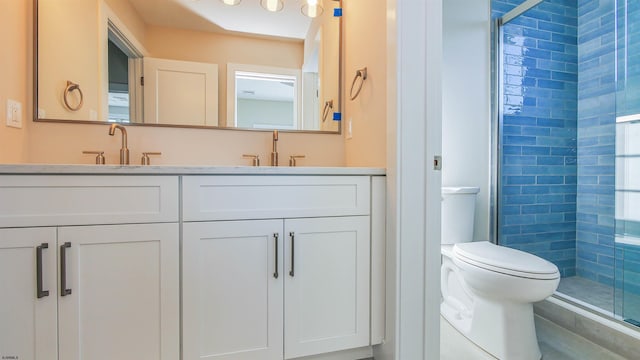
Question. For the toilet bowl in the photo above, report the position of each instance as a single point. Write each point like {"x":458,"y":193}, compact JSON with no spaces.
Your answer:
{"x":488,"y":290}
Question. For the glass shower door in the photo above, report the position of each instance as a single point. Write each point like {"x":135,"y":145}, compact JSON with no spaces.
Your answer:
{"x":627,"y":238}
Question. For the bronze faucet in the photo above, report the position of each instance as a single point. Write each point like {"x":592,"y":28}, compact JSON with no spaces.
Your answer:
{"x":274,"y":152}
{"x":124,"y":151}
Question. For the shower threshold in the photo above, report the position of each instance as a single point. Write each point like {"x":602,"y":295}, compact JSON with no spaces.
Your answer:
{"x":601,"y":298}
{"x":592,"y":324}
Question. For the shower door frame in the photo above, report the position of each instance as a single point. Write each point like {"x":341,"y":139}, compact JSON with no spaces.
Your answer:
{"x":497,"y":58}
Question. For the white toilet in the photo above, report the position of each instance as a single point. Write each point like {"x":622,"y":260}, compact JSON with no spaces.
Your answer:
{"x":488,"y":290}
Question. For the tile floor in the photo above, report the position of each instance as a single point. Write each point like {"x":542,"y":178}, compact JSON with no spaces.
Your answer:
{"x":556,"y":343}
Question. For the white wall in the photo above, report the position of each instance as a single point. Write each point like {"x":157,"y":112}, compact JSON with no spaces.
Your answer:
{"x":466,"y":112}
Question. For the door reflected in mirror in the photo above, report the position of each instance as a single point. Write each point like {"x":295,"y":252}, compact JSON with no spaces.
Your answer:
{"x":141,"y":68}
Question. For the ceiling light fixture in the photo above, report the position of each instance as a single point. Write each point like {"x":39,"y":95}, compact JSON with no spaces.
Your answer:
{"x":312,"y":9}
{"x":272,"y":5}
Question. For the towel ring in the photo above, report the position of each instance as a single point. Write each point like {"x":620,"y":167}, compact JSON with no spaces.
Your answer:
{"x":328,"y":106}
{"x":70,"y":88}
{"x":362,"y":73}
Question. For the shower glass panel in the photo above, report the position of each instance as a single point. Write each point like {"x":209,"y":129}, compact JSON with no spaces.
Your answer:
{"x":556,"y":188}
{"x":627,"y":231}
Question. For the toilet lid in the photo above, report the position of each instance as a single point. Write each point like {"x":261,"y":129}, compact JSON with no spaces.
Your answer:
{"x":505,"y":260}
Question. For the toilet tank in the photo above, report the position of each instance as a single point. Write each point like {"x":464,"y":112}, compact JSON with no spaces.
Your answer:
{"x":458,"y":214}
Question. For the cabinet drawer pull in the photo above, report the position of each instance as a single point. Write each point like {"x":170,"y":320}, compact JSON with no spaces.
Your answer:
{"x":275,"y":236}
{"x":40,"y":293}
{"x":292,"y":235}
{"x":63,"y":269}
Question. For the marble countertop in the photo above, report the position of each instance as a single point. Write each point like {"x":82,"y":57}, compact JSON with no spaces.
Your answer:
{"x":55,"y":169}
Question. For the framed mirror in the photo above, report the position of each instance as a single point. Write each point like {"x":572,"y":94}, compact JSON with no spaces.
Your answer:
{"x":245,"y":64}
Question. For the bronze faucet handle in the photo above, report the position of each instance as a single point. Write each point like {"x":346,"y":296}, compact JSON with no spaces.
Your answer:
{"x":100,"y":159}
{"x":255,"y":159}
{"x":145,"y":157}
{"x":293,"y":158}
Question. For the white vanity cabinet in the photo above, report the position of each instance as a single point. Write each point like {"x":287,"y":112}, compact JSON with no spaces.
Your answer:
{"x":275,"y":266}
{"x":253,"y":265}
{"x":110,"y":266}
{"x":28,"y":315}
{"x":232,"y":290}
{"x":326,"y":284}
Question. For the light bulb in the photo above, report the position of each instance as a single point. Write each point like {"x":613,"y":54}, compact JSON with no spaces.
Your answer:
{"x":272,"y":5}
{"x":312,"y":8}
{"x":231,"y":2}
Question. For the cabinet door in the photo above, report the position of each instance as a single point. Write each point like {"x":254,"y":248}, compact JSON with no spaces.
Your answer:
{"x":232,"y":290}
{"x":28,"y":320}
{"x":326,"y":285}
{"x":123,"y":292}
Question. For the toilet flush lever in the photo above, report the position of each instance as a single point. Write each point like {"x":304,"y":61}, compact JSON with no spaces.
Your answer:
{"x":437,"y":162}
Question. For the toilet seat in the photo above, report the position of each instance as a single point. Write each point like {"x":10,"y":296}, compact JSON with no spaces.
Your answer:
{"x":486,"y":255}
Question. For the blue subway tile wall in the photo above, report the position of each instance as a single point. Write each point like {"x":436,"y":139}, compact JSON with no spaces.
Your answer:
{"x":595,"y":212}
{"x":539,"y":131}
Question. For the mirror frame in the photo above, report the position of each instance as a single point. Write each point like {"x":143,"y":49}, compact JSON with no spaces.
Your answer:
{"x":96,"y":122}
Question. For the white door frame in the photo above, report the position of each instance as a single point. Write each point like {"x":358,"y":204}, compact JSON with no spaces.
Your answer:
{"x":414,"y":137}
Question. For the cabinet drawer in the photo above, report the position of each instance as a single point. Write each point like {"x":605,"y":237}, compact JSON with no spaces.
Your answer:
{"x":264,"y":197}
{"x":53,"y":200}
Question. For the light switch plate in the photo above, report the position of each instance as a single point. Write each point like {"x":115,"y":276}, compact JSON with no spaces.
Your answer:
{"x":349,"y":128}
{"x":14,"y":114}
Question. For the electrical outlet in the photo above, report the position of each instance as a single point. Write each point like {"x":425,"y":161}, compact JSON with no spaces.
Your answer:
{"x":14,"y":114}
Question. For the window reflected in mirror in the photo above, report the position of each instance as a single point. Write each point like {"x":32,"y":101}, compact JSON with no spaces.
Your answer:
{"x":118,"y":85}
{"x":265,"y":101}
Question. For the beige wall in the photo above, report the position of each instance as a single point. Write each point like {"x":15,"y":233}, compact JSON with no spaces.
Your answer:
{"x":129,"y":17}
{"x":68,"y":50}
{"x":364,"y":41}
{"x":188,"y":45}
{"x":329,"y":64}
{"x":73,"y":47}
{"x":15,"y":28}
{"x":64,"y":143}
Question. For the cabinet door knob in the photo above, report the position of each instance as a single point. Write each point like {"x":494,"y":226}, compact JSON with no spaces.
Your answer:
{"x":40,"y":293}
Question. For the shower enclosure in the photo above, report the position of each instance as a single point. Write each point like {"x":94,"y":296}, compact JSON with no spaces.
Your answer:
{"x":567,"y":144}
